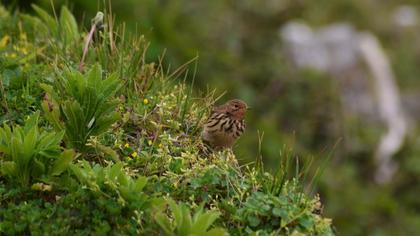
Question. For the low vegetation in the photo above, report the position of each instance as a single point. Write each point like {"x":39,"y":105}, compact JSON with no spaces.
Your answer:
{"x":115,"y":148}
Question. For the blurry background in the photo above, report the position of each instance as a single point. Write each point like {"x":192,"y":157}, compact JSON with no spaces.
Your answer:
{"x":335,"y":78}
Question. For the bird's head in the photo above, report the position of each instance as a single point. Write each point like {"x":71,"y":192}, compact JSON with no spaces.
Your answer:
{"x":236,"y":108}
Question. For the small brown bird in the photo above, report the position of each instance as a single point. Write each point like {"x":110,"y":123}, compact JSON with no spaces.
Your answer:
{"x":225,"y":125}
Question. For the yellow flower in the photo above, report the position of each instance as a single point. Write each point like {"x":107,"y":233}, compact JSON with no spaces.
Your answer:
{"x":4,"y":41}
{"x":126,"y":145}
{"x":145,"y":101}
{"x":150,"y":142}
{"x":134,"y":154}
{"x":160,"y":145}
{"x":129,"y":159}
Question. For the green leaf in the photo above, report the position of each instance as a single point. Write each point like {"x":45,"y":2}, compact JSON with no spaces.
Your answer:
{"x":84,"y":107}
{"x":306,"y":222}
{"x":31,"y":122}
{"x":68,"y":26}
{"x":87,"y":175}
{"x":280,"y":213}
{"x":52,"y":114}
{"x":139,"y":183}
{"x":215,"y":232}
{"x":37,"y":25}
{"x":5,"y":140}
{"x":107,"y":151}
{"x":48,"y":20}
{"x":37,"y":168}
{"x":185,"y":227}
{"x":8,"y":168}
{"x":94,"y":77}
{"x":204,"y":221}
{"x":29,"y":142}
{"x":115,"y":171}
{"x":253,"y":221}
{"x":50,"y":141}
{"x":164,"y":223}
{"x":17,"y":156}
{"x":105,"y":122}
{"x":63,"y":162}
{"x":176,"y":211}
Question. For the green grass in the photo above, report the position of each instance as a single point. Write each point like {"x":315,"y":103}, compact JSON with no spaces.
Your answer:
{"x":126,"y":149}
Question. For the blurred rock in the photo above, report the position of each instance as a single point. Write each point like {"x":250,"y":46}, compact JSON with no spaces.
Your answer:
{"x":305,"y":47}
{"x":332,"y":48}
{"x":405,"y":16}
{"x":364,"y":76}
{"x":389,"y":104}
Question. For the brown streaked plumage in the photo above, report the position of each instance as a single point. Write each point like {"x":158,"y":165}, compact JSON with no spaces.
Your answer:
{"x":225,"y":125}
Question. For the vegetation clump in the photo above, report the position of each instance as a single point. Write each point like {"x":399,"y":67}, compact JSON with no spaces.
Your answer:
{"x":115,"y":149}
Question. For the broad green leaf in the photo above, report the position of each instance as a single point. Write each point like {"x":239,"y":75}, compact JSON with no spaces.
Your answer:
{"x":204,"y":221}
{"x":53,"y":116}
{"x":107,"y":151}
{"x":104,"y":123}
{"x":5,"y":139}
{"x":215,"y":232}
{"x":37,"y":168}
{"x":198,"y":213}
{"x":29,"y":142}
{"x":139,"y":183}
{"x":164,"y":223}
{"x":17,"y":156}
{"x":63,"y":162}
{"x":185,"y":227}
{"x":31,"y":122}
{"x":77,"y":171}
{"x":48,"y":20}
{"x":50,"y":140}
{"x":68,"y":26}
{"x":37,"y":25}
{"x":75,"y":130}
{"x":176,"y":212}
{"x":115,"y":171}
{"x":52,"y":94}
{"x":94,"y":77}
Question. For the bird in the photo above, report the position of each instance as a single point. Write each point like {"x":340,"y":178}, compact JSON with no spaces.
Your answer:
{"x":225,"y":125}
